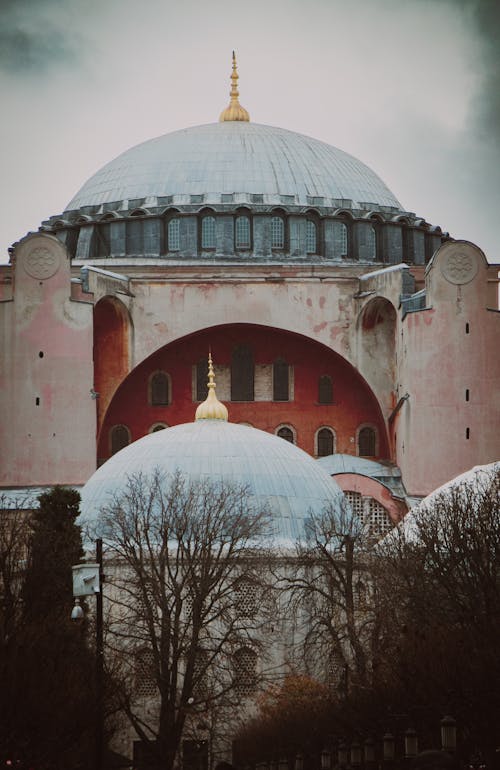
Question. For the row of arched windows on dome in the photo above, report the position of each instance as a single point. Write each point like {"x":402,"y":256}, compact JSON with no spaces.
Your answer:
{"x":325,"y":440}
{"x":143,"y":235}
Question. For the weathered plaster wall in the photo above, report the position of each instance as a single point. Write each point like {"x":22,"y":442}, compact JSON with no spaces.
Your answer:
{"x":47,"y":415}
{"x":450,"y":367}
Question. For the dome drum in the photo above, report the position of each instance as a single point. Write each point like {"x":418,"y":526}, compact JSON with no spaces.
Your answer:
{"x":335,"y":237}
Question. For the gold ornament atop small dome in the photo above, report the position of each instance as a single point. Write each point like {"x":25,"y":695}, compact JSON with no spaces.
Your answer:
{"x":234,"y":111}
{"x":211,"y":408}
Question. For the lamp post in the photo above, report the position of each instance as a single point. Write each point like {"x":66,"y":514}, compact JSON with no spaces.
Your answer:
{"x":448,"y":734}
{"x":87,"y":580}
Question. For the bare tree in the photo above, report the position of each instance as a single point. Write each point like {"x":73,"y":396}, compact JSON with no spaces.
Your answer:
{"x":329,"y":591}
{"x":178,"y":555}
{"x":442,"y":568}
{"x":14,"y":548}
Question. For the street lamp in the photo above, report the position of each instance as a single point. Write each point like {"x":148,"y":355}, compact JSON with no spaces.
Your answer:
{"x":448,"y":734}
{"x":369,"y":752}
{"x":411,"y":743}
{"x":389,"y":748}
{"x":342,"y":755}
{"x":87,"y":580}
{"x":355,"y":754}
{"x":325,"y":760}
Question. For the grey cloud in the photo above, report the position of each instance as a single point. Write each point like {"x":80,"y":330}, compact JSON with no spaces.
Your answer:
{"x":37,"y":35}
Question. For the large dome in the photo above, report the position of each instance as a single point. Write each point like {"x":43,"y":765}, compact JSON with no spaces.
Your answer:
{"x":279,"y":475}
{"x":234,"y":158}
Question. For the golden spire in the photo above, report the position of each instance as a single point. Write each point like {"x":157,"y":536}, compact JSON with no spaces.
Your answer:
{"x":211,"y":408}
{"x":234,"y":111}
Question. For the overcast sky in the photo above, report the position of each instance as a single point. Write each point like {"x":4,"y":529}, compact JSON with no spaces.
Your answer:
{"x":410,"y":87}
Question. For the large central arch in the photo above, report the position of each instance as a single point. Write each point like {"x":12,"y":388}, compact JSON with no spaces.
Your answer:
{"x":288,"y":390}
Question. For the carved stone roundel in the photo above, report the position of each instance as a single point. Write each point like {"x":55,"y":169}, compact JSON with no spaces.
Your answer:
{"x":459,"y":267}
{"x":41,"y":263}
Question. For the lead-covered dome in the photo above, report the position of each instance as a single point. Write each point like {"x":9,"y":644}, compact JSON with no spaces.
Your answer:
{"x":234,"y":158}
{"x":279,"y":476}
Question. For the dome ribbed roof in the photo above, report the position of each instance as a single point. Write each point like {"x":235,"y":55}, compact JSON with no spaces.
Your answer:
{"x":279,"y":475}
{"x":235,"y":157}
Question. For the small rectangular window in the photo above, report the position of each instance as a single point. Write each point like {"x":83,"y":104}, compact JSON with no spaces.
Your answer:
{"x":467,"y":433}
{"x":257,"y":198}
{"x":467,"y":328}
{"x":196,"y":199}
{"x":467,"y":394}
{"x":227,"y":197}
{"x":287,"y":199}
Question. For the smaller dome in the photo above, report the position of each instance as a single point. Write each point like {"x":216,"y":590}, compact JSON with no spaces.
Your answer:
{"x":279,"y":476}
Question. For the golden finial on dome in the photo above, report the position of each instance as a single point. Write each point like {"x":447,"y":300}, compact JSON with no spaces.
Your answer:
{"x":234,"y":111}
{"x":211,"y":408}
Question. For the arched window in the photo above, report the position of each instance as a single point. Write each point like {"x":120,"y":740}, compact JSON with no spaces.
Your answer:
{"x":242,"y":232}
{"x":311,"y":237}
{"x":120,"y":438}
{"x":247,"y":598}
{"x":326,"y":442}
{"x":325,"y":389}
{"x":367,"y":442}
{"x":145,"y":680}
{"x":134,"y":235}
{"x":173,"y":235}
{"x":245,"y":670}
{"x":372,"y":243}
{"x":277,"y":233}
{"x":158,"y":426}
{"x":159,"y":389}
{"x":242,"y":374}
{"x":286,"y":433}
{"x":208,"y":233}
{"x":343,"y":240}
{"x":280,"y":380}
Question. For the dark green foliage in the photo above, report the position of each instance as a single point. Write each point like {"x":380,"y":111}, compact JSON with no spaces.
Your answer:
{"x":46,"y":666}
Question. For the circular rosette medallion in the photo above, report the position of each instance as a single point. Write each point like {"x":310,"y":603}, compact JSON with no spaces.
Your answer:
{"x":41,"y":262}
{"x":459,"y":267}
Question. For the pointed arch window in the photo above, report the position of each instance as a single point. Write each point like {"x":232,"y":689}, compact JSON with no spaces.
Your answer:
{"x":277,"y":233}
{"x":325,"y":389}
{"x":242,"y":374}
{"x":160,"y":389}
{"x":242,"y":232}
{"x":325,"y":442}
{"x":119,"y":438}
{"x":173,"y":234}
{"x":311,"y":237}
{"x":281,"y":385}
{"x":367,"y":440}
{"x":208,"y":233}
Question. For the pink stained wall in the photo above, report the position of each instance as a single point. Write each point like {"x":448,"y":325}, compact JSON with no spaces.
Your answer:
{"x":448,"y":352}
{"x":47,"y":415}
